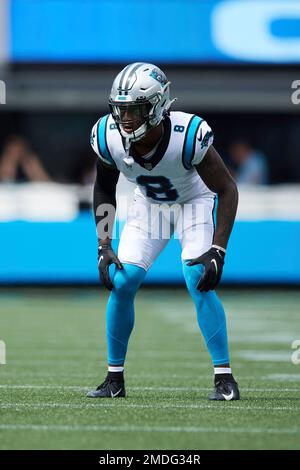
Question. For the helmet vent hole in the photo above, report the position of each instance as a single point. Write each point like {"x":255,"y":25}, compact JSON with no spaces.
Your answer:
{"x":145,"y":70}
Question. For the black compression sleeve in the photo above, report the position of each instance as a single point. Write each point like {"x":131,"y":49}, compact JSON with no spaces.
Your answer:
{"x":105,"y":193}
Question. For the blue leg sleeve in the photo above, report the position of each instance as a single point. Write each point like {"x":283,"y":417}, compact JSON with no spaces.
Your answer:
{"x":120,"y":311}
{"x":210,"y":315}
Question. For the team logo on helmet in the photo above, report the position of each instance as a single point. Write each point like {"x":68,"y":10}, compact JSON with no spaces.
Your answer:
{"x":159,"y":76}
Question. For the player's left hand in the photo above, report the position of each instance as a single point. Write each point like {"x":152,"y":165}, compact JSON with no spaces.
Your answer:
{"x":213,"y":261}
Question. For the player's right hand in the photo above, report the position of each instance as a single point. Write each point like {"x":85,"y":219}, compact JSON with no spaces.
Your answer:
{"x":106,"y":257}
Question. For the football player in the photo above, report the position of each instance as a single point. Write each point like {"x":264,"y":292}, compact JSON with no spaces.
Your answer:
{"x":171,"y":158}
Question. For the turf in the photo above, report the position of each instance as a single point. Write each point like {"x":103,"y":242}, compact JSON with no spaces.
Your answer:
{"x":56,"y":352}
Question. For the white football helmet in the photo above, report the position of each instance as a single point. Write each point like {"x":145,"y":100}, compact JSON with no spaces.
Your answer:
{"x":142,"y":90}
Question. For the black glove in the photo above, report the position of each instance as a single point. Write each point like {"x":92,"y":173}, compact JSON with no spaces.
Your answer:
{"x":107,"y":256}
{"x":213,"y":261}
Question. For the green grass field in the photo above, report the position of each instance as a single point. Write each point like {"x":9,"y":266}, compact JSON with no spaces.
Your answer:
{"x":56,"y":351}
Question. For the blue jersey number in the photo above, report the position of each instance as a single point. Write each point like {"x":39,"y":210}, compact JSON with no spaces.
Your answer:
{"x":158,"y":187}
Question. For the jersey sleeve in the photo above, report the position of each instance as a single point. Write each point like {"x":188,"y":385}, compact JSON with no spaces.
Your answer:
{"x":204,"y":139}
{"x":99,"y":142}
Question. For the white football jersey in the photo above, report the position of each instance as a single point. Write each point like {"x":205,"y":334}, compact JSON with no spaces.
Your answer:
{"x":168,"y":175}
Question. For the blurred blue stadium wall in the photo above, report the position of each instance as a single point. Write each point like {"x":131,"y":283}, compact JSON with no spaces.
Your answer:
{"x":165,"y":31}
{"x":66,"y":252}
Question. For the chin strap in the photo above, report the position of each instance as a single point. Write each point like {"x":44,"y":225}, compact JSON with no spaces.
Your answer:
{"x":128,"y":160}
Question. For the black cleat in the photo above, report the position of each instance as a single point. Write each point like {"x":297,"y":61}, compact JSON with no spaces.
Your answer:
{"x":109,"y":389}
{"x":225,"y":389}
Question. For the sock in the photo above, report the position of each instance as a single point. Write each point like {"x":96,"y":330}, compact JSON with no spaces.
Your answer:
{"x":116,"y":373}
{"x":115,"y":368}
{"x":223,"y":373}
{"x":120,"y":311}
{"x":210,"y":315}
{"x":222,"y":370}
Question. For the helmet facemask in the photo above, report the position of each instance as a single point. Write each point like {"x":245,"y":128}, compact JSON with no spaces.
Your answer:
{"x":132,"y":118}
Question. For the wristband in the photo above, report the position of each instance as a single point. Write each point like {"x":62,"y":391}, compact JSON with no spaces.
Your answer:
{"x":219,"y":248}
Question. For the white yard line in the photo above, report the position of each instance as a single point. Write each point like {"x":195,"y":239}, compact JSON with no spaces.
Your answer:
{"x":265,"y":356}
{"x":283,"y":377}
{"x":155,"y":389}
{"x":121,"y":404}
{"x":166,"y":429}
